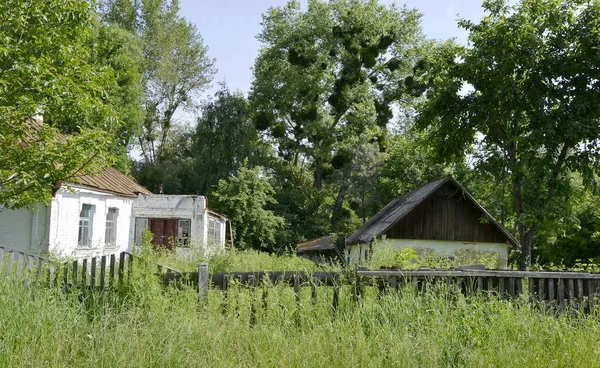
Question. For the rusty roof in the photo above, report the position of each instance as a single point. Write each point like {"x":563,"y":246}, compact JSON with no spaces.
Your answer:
{"x":112,"y":180}
{"x":322,"y":243}
{"x":109,"y":180}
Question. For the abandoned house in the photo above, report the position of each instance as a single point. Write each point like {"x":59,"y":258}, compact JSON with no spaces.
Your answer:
{"x":178,"y":221}
{"x":442,"y":217}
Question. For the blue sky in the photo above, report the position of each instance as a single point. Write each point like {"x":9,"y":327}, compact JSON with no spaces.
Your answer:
{"x":229,"y":29}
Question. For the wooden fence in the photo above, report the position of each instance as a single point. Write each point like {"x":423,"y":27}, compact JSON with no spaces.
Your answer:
{"x":553,"y":289}
{"x":98,"y":273}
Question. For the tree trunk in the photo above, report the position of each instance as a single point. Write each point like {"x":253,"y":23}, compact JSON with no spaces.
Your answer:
{"x":339,"y":202}
{"x":318,"y":173}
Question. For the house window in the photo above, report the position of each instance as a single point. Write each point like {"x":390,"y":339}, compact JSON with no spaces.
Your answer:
{"x":214,"y":231}
{"x":183,"y":232}
{"x":110,"y":233}
{"x":141,"y":224}
{"x":85,"y":225}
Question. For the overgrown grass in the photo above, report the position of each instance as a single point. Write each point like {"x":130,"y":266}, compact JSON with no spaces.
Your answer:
{"x":148,"y":326}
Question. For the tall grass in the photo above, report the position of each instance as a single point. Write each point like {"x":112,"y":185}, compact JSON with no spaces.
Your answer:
{"x":148,"y":326}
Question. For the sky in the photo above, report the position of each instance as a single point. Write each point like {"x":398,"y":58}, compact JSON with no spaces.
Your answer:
{"x":229,"y":29}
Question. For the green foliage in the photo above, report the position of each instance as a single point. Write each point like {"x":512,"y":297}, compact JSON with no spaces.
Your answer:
{"x":325,"y":83}
{"x":49,"y":68}
{"x":243,"y":198}
{"x":225,"y":137}
{"x":46,"y":328}
{"x":174,"y":64}
{"x":531,"y":110}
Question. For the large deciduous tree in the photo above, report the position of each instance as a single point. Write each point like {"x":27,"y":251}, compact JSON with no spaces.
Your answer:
{"x":47,"y":67}
{"x":326,"y":80}
{"x":175,"y":66}
{"x":531,"y":106}
{"x":225,"y":136}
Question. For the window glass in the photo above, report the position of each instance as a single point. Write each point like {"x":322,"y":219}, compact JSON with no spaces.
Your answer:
{"x":214,"y":231}
{"x":110,"y":234}
{"x":141,"y":224}
{"x":85,"y":226}
{"x":183,"y":232}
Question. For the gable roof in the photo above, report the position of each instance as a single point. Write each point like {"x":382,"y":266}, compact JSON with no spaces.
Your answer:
{"x":112,"y":180}
{"x":109,"y":180}
{"x":400,"y":207}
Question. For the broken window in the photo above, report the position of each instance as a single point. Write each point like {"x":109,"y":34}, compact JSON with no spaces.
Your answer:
{"x":110,"y":233}
{"x":183,"y":232}
{"x":141,"y":224}
{"x":85,"y":225}
{"x":214,"y":231}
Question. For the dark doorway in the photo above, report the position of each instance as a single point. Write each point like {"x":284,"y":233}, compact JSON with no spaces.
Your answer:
{"x":164,"y":232}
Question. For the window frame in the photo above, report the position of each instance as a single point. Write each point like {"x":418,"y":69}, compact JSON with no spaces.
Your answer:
{"x":110,"y":230}
{"x":86,"y":226}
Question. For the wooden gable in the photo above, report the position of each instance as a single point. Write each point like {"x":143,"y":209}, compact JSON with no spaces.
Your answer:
{"x":448,"y":215}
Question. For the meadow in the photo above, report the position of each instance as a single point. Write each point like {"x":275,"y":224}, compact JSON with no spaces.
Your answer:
{"x":147,"y":325}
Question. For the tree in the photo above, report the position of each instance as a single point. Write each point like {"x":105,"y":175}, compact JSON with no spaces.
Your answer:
{"x":175,"y":65}
{"x":532,"y":108}
{"x":225,"y":136}
{"x":243,"y":198}
{"x":47,"y":68}
{"x":327,"y":78}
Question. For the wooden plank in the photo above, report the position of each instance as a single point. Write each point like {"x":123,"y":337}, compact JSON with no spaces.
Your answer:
{"x":84,"y":272}
{"x":102,"y":273}
{"x":51,"y":275}
{"x":74,"y":277}
{"x":30,"y":260}
{"x":490,"y":283}
{"x":519,"y":285}
{"x":40,"y":264}
{"x":313,"y":292}
{"x":571,"y":290}
{"x":297,"y":289}
{"x":252,"y":285}
{"x":225,"y":288}
{"x":551,"y":293}
{"x":541,"y":289}
{"x":93,"y":274}
{"x":20,"y":257}
{"x":501,"y":287}
{"x":533,"y":292}
{"x":561,"y":293}
{"x":113,"y":260}
{"x":580,"y":291}
{"x":336,"y":298}
{"x":9,"y":263}
{"x":480,"y":284}
{"x":65,"y":280}
{"x":203,"y":283}
{"x":394,"y":283}
{"x":121,"y":270}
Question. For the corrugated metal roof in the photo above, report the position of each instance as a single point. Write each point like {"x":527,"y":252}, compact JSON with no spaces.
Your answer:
{"x":113,"y":181}
{"x":398,"y":208}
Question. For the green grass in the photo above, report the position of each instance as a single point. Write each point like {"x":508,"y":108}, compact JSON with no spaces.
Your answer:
{"x":147,"y":326}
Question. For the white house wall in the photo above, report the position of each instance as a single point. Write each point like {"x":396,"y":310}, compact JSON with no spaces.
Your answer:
{"x":356,"y":252}
{"x":64,"y":222}
{"x":25,"y":229}
{"x":176,"y":207}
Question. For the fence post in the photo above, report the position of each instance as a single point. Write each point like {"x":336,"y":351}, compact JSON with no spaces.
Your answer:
{"x":203,"y":283}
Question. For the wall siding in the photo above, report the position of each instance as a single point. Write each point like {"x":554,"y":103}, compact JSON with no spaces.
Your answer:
{"x":446,"y":215}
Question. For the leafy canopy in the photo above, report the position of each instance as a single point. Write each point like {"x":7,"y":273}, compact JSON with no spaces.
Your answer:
{"x":531,"y":106}
{"x":47,"y":68}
